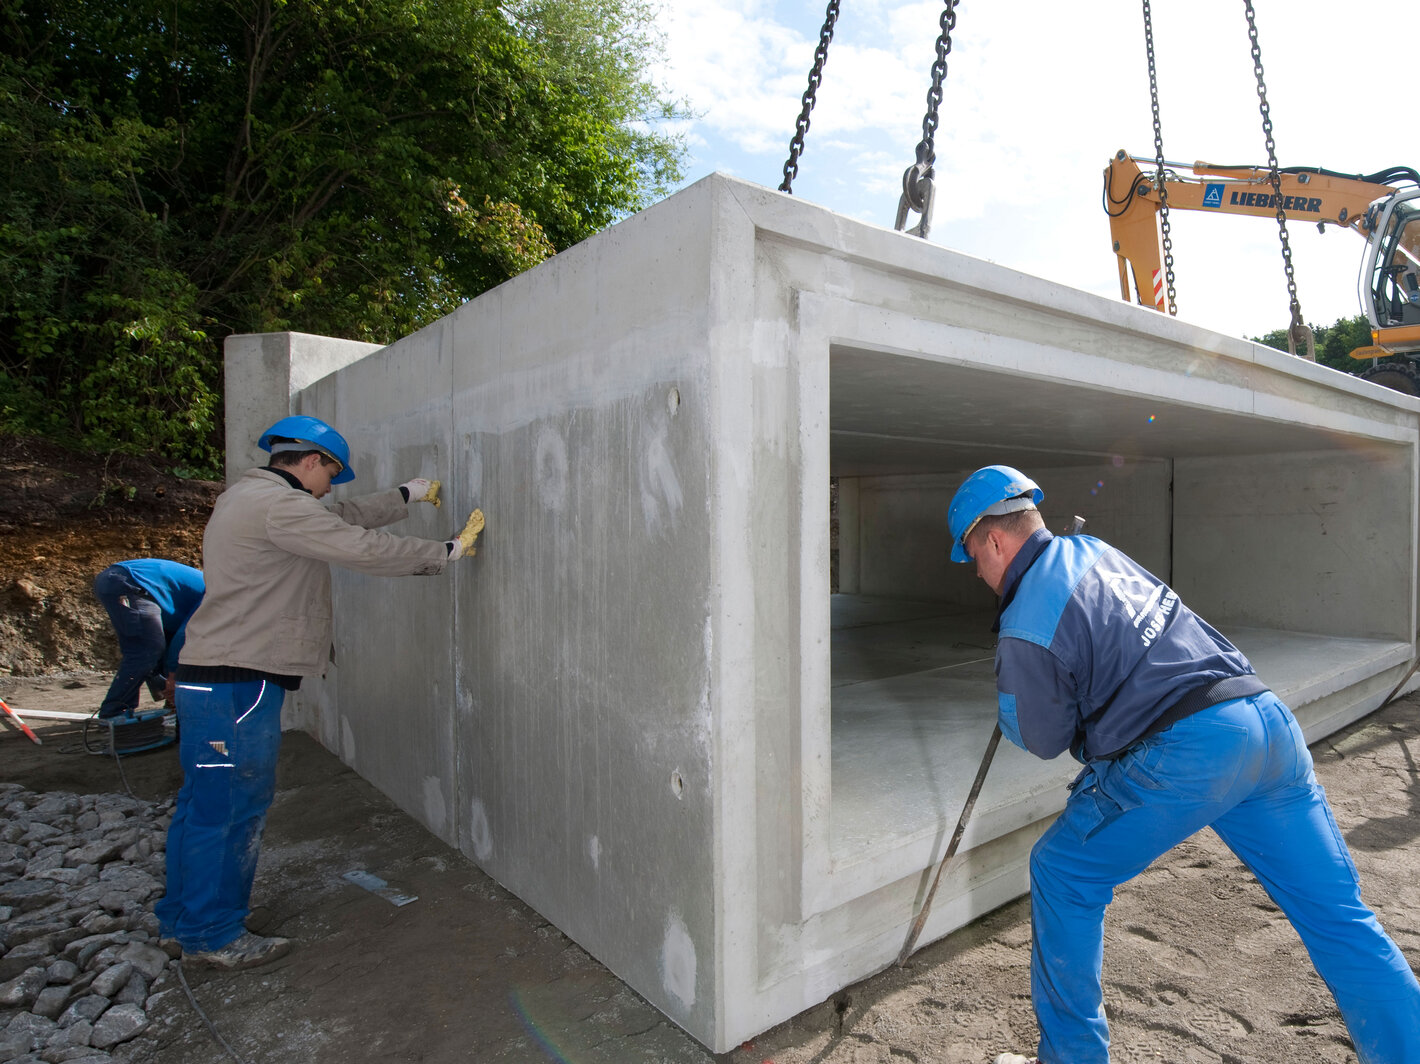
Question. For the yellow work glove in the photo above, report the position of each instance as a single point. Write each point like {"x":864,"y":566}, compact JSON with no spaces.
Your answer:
{"x":463,"y":543}
{"x":421,"y":490}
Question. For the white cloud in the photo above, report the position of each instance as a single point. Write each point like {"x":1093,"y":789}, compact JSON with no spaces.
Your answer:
{"x":1038,"y":96}
{"x":729,"y":62}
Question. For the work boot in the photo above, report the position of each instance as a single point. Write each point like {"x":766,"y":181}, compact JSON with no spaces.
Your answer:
{"x":244,"y":951}
{"x":1015,"y":1058}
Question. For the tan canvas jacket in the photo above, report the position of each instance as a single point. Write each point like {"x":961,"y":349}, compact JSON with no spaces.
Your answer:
{"x":266,"y":557}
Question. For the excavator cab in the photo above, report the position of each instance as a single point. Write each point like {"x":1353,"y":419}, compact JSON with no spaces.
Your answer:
{"x":1390,"y":293}
{"x":1390,"y":273}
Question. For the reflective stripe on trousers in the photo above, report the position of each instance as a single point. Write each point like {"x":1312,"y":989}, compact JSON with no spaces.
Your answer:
{"x":229,"y":738}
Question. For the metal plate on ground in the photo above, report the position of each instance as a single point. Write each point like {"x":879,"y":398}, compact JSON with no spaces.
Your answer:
{"x":375,"y":885}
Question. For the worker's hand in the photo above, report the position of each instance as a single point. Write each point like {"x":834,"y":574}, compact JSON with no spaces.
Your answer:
{"x":463,"y":543}
{"x":170,"y":689}
{"x":421,"y":490}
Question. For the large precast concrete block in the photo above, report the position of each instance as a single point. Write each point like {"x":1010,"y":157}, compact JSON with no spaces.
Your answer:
{"x":644,"y":709}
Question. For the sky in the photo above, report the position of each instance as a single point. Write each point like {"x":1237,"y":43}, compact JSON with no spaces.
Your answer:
{"x":1038,"y":96}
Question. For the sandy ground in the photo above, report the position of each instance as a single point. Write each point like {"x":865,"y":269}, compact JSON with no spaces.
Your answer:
{"x":1199,"y":965}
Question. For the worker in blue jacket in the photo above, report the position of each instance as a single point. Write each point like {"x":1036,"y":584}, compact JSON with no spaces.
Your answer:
{"x":149,"y":601}
{"x":1098,"y":656}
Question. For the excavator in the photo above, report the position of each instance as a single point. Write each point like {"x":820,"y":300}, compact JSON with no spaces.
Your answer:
{"x":1383,"y":208}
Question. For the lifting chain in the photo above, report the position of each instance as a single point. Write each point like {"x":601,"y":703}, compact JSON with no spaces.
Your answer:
{"x":1159,"y":161}
{"x":1298,"y":332}
{"x":917,"y":178}
{"x":801,"y":127}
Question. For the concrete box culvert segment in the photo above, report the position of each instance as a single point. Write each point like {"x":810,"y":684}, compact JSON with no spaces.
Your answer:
{"x":642,"y":708}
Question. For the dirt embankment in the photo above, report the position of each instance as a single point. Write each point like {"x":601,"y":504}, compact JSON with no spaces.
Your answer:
{"x":64,"y":517}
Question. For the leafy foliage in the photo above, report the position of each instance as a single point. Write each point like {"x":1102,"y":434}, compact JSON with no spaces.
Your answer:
{"x":174,"y":172}
{"x":1334,"y":343}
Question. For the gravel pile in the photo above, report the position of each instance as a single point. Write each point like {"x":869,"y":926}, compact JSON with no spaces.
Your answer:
{"x":80,"y":960}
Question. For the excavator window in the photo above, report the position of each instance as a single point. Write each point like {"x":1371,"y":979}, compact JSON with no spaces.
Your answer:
{"x":1396,"y":284}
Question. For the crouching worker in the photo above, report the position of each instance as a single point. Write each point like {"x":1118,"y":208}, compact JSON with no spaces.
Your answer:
{"x":1177,"y":733}
{"x":149,"y":602}
{"x":264,"y":623}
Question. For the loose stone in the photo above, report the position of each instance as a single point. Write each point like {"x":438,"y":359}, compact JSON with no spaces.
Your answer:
{"x":14,"y":1044}
{"x":79,"y":953}
{"x":29,"y":894}
{"x":50,"y":1002}
{"x":86,"y":1010}
{"x":75,"y":1055}
{"x":110,"y":981}
{"x":77,"y":1034}
{"x":101,"y":923}
{"x":62,"y":971}
{"x":149,"y":960}
{"x":98,"y":853}
{"x":134,"y":992}
{"x":119,"y":1024}
{"x":24,"y":988}
{"x":37,"y":1029}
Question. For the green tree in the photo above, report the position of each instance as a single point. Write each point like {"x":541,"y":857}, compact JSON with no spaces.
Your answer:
{"x":1334,"y":343}
{"x":174,"y":172}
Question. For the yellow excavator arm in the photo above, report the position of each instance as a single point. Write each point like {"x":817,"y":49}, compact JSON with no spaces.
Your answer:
{"x":1387,"y":217}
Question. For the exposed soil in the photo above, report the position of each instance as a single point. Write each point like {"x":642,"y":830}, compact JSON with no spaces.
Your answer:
{"x":63,"y":519}
{"x":1200,"y":967}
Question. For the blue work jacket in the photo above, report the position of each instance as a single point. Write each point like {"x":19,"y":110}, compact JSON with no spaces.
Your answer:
{"x":177,"y":589}
{"x":1094,"y":649}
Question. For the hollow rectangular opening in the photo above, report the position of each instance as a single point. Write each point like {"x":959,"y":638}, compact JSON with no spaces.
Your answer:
{"x":1259,"y":523}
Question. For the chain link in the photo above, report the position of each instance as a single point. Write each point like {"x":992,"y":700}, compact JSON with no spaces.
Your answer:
{"x":1164,"y":227}
{"x":801,"y":127}
{"x":1275,"y":176}
{"x":917,"y":179}
{"x":926,"y":151}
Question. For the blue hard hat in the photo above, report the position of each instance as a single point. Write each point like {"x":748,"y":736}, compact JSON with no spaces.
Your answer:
{"x":983,"y":493}
{"x":319,"y":435}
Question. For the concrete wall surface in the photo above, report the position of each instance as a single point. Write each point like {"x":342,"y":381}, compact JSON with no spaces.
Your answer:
{"x":263,"y":374}
{"x":642,"y":707}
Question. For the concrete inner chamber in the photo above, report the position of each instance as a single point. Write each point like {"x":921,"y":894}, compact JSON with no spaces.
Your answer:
{"x":717,"y":744}
{"x":1237,"y":513}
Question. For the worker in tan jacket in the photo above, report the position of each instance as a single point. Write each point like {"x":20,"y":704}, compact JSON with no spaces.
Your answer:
{"x":264,"y":623}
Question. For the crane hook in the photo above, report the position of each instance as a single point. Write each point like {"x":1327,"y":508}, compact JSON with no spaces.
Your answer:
{"x":917,"y":194}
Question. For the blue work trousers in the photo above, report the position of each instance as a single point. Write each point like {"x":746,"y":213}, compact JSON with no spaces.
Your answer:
{"x":229,"y":737}
{"x":1242,"y":768}
{"x":138,"y":622}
